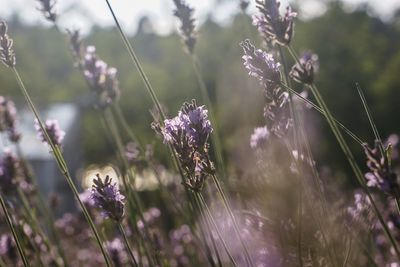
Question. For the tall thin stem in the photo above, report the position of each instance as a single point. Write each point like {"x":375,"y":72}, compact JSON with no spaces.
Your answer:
{"x":128,"y":246}
{"x":61,"y":164}
{"x":232,"y":216}
{"x":135,"y":60}
{"x":14,"y":233}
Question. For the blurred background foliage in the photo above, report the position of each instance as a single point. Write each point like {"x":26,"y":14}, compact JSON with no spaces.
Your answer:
{"x":352,"y":47}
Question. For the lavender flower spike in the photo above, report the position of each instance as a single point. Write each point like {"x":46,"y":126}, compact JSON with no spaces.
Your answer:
{"x":184,"y":13}
{"x":380,"y":173}
{"x":47,"y":8}
{"x":7,"y":55}
{"x":188,"y":135}
{"x":259,"y":137}
{"x":101,"y":78}
{"x":107,"y":197}
{"x":54,"y":131}
{"x":303,"y":72}
{"x":8,"y":120}
{"x":271,"y":25}
{"x":260,"y":64}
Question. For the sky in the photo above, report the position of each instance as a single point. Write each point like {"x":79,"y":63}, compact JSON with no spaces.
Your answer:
{"x":82,"y":14}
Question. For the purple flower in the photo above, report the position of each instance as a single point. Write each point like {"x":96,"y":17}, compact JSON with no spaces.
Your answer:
{"x":47,"y":8}
{"x":243,"y":4}
{"x":380,"y":173}
{"x":53,"y":130}
{"x":7,"y":55}
{"x":188,"y":135}
{"x":75,"y":42}
{"x":271,"y":25}
{"x":185,"y":14}
{"x":262,"y":66}
{"x":9,"y":172}
{"x":259,"y":137}
{"x":101,"y":78}
{"x":116,"y":250}
{"x":8,"y":120}
{"x":8,"y":247}
{"x":107,"y":197}
{"x":304,"y":71}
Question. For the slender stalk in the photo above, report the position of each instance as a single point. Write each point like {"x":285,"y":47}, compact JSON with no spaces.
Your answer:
{"x":61,"y":164}
{"x":128,"y":247}
{"x":211,"y":219}
{"x":14,"y":233}
{"x":317,"y":108}
{"x":348,"y":253}
{"x":232,"y":216}
{"x":136,"y":62}
{"x":43,"y":206}
{"x":133,"y":198}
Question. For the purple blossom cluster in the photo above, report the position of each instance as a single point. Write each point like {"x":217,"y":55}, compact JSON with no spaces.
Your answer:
{"x":185,"y":14}
{"x":101,"y":78}
{"x":7,"y":55}
{"x":116,"y":250}
{"x":47,"y":8}
{"x":304,"y":71}
{"x":8,"y":119}
{"x":188,"y":134}
{"x":8,"y":248}
{"x":182,"y":240}
{"x":10,"y":172}
{"x":53,"y":130}
{"x":259,"y":137}
{"x":262,"y":66}
{"x":271,"y":25}
{"x":244,"y":4}
{"x":381,"y":174}
{"x":108,"y":198}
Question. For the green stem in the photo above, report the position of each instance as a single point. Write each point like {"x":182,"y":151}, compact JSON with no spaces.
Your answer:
{"x":61,"y":164}
{"x":136,"y":62}
{"x":232,"y":216}
{"x":211,"y":219}
{"x":14,"y":233}
{"x":43,"y":205}
{"x":128,"y":247}
{"x":132,"y":194}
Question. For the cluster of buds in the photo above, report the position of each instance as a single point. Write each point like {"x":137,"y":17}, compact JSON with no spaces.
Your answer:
{"x":116,"y":250}
{"x":259,"y":137}
{"x":10,"y":172}
{"x":47,"y":8}
{"x":380,"y":173}
{"x":185,"y":14}
{"x":8,"y":119}
{"x":262,"y":66}
{"x":303,"y":71}
{"x":107,"y":197}
{"x":137,"y":159}
{"x":7,"y":55}
{"x":101,"y":78}
{"x":188,"y":135}
{"x":8,"y":249}
{"x":53,"y":130}
{"x":75,"y":42}
{"x":271,"y":25}
{"x":244,"y":4}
